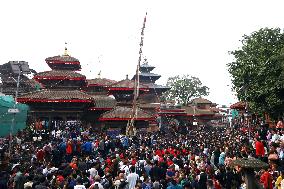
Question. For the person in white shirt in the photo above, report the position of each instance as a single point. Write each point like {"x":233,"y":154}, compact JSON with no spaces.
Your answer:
{"x":96,"y":183}
{"x":125,"y":168}
{"x":93,"y":172}
{"x":132,"y":178}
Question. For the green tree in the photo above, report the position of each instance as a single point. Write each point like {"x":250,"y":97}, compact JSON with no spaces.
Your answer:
{"x":256,"y":71}
{"x":184,"y":88}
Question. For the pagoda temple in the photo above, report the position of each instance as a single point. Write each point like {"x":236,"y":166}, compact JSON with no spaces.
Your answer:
{"x":148,"y":100}
{"x":123,"y":91}
{"x":62,"y":98}
{"x":97,"y":88}
{"x":147,"y":78}
{"x":119,"y":117}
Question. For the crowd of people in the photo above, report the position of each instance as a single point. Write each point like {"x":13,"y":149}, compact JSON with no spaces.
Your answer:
{"x":201,"y":158}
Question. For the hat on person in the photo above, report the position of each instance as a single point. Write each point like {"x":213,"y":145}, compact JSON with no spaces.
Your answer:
{"x":60,"y":178}
{"x":15,"y":165}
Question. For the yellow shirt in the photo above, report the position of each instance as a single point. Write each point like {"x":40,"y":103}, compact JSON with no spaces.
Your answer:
{"x":278,"y":182}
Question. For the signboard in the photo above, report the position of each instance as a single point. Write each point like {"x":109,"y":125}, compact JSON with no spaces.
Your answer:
{"x":13,"y":110}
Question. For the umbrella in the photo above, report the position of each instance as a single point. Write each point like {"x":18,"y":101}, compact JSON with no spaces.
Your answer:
{"x":250,"y":163}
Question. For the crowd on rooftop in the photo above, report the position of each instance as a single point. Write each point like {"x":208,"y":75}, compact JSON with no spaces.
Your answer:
{"x":79,"y":157}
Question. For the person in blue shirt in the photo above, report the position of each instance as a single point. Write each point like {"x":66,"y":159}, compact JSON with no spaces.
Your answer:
{"x":173,"y":185}
{"x":87,"y":148}
{"x":62,"y":148}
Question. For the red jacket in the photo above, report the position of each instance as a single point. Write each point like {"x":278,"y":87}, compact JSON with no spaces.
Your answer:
{"x":259,"y":149}
{"x":266,"y":180}
{"x":69,"y":149}
{"x":40,"y":155}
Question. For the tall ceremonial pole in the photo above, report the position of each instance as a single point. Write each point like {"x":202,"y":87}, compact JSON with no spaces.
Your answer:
{"x":130,"y":130}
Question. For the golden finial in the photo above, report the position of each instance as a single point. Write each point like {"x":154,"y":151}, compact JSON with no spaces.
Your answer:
{"x":65,"y":50}
{"x":99,"y":74}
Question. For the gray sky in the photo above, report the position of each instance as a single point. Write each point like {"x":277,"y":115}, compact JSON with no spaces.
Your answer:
{"x":181,"y":37}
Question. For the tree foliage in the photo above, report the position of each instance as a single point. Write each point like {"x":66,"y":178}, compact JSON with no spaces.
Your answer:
{"x":257,"y":71}
{"x":184,"y":88}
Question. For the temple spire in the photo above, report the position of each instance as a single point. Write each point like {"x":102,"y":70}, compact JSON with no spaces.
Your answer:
{"x":145,"y":61}
{"x":65,"y":50}
{"x":99,"y":74}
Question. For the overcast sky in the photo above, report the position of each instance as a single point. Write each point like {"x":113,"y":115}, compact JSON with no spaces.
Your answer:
{"x":181,"y":37}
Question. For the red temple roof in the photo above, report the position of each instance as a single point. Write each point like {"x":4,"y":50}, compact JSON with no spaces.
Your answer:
{"x":64,"y":62}
{"x":126,"y":84}
{"x":59,"y":75}
{"x":62,"y":59}
{"x":124,"y":114}
{"x":55,"y":96}
{"x":100,"y":82}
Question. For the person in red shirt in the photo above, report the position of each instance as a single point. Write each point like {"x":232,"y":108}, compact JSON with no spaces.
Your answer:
{"x":69,"y":151}
{"x":40,"y":155}
{"x":266,"y":180}
{"x":259,"y":148}
{"x":109,"y":161}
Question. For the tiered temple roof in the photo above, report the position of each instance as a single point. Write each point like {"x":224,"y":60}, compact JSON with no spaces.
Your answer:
{"x":63,"y":73}
{"x":145,"y":74}
{"x":59,"y":75}
{"x":60,"y":83}
{"x":51,"y":96}
{"x":145,"y":67}
{"x":63,"y":62}
{"x":126,"y":85}
{"x":124,"y":114}
{"x":100,"y":82}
